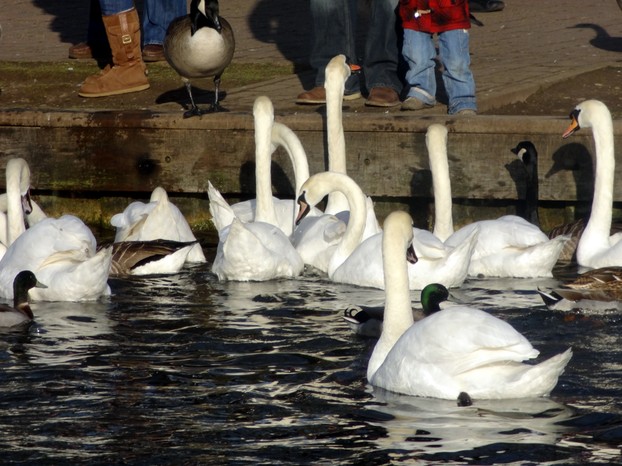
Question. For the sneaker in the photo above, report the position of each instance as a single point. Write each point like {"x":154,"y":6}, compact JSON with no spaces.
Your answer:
{"x":317,"y":95}
{"x":412,"y":103}
{"x":382,"y":97}
{"x":466,"y":112}
{"x":153,"y":53}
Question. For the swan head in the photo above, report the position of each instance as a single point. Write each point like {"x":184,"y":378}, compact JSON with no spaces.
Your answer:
{"x":339,"y":69}
{"x":400,"y":225}
{"x":432,"y":296}
{"x":320,"y":185}
{"x":584,"y":115}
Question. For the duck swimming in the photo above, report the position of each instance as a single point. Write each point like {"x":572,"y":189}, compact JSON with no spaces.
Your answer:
{"x":200,"y":45}
{"x":20,"y":312}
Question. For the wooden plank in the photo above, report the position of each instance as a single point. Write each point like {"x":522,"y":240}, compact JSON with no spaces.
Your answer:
{"x":136,"y":151}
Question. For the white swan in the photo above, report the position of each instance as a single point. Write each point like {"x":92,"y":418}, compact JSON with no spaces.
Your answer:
{"x":284,"y":209}
{"x":336,"y":74}
{"x":359,"y":262}
{"x":597,"y":247}
{"x":509,"y":246}
{"x":62,"y":254}
{"x":157,"y":219}
{"x":256,"y":250}
{"x":459,"y":352}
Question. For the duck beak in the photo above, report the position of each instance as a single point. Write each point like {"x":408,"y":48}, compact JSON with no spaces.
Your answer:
{"x":40,"y":285}
{"x":574,"y":124}
{"x":305,"y":208}
{"x":411,"y":256}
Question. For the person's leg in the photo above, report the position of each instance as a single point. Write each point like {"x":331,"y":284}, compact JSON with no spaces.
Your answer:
{"x":128,"y":71}
{"x":419,"y":52}
{"x":457,"y":75}
{"x":333,"y":33}
{"x":157,"y":15}
{"x":382,"y":55}
{"x":96,"y":45}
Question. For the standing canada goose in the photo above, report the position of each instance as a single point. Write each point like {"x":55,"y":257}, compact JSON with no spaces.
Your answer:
{"x":20,"y":312}
{"x":200,"y":45}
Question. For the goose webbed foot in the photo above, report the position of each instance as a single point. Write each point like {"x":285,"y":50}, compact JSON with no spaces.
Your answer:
{"x":194,"y":111}
{"x":464,"y":399}
{"x":216,"y":107}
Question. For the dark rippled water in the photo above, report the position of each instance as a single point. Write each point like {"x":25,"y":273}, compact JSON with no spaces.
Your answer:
{"x":185,"y":370}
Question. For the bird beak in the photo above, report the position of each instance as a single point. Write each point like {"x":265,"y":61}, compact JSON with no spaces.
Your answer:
{"x":26,"y":205}
{"x":411,"y":256}
{"x":305,"y":208}
{"x":40,"y":285}
{"x":574,"y":124}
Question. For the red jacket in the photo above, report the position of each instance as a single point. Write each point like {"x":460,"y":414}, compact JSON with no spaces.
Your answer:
{"x":444,"y":15}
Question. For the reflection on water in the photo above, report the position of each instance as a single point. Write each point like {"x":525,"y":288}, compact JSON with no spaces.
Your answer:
{"x":185,"y":370}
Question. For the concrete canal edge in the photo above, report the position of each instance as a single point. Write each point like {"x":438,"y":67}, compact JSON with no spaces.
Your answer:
{"x":93,"y":164}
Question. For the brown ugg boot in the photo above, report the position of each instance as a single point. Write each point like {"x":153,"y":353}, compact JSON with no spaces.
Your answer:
{"x":128,"y":72}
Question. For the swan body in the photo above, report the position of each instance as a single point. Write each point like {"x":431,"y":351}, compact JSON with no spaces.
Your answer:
{"x":359,"y":262}
{"x":155,"y":220}
{"x":200,"y":45}
{"x":62,"y":254}
{"x":597,"y":247}
{"x":20,"y":312}
{"x":508,"y":246}
{"x":454,"y":351}
{"x":255,"y":251}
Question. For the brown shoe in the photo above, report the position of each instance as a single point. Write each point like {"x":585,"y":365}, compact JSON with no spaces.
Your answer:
{"x":153,"y":52}
{"x":317,"y":95}
{"x":80,"y":51}
{"x":382,"y":97}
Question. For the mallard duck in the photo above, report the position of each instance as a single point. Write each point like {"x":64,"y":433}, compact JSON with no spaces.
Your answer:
{"x":595,"y":290}
{"x":200,"y":45}
{"x":458,"y":353}
{"x":367,"y":320}
{"x":20,"y":312}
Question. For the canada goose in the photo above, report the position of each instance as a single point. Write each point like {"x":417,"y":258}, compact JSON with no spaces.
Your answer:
{"x":20,"y":312}
{"x":200,"y":45}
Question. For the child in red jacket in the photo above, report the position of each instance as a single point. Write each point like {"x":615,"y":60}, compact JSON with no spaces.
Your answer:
{"x":449,"y":19}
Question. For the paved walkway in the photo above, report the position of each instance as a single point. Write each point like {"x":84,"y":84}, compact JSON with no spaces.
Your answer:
{"x":527,"y":45}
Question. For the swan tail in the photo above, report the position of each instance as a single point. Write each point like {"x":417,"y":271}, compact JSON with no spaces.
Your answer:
{"x":541,"y":379}
{"x":222,"y":213}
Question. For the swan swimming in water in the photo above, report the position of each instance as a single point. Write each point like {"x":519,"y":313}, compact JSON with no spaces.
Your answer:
{"x":509,"y":246}
{"x":597,"y":247}
{"x":456,"y":353}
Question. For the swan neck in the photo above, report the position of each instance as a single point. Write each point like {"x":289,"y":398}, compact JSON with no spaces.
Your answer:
{"x":285,"y":137}
{"x":264,"y":207}
{"x":17,"y":182}
{"x":599,"y":223}
{"x":441,"y":182}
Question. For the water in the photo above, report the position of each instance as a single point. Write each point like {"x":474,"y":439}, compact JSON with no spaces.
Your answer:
{"x":186,"y":370}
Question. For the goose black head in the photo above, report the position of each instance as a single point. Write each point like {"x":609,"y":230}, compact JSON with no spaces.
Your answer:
{"x":205,"y":13}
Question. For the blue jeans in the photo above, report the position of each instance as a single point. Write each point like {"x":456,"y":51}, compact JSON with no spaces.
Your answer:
{"x":453,"y":47}
{"x":156,"y":17}
{"x":334,"y":33}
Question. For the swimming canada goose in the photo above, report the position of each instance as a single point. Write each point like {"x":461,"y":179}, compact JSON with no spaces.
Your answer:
{"x":20,"y":312}
{"x":200,"y":45}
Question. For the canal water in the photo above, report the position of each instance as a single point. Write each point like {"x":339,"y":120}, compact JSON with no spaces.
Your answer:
{"x":186,"y":370}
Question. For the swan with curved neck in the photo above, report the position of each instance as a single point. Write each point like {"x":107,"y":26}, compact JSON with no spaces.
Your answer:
{"x":452,"y":352}
{"x":508,"y":246}
{"x":359,"y":262}
{"x":596,"y":247}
